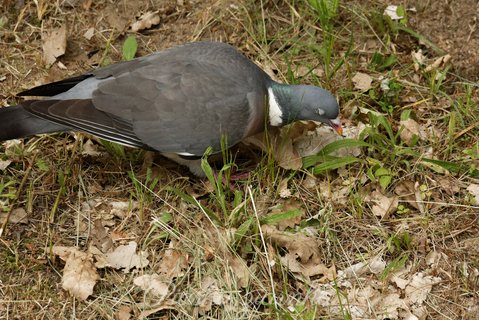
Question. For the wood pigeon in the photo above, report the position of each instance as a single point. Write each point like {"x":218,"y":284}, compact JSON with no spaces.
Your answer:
{"x":178,"y":101}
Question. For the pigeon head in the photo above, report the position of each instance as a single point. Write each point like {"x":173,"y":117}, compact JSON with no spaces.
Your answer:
{"x":289,"y":103}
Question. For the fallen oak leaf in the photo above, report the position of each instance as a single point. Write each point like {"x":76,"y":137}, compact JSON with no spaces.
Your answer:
{"x":153,"y":284}
{"x":383,"y":206}
{"x":303,"y":253}
{"x":123,"y":313}
{"x":438,"y":62}
{"x":241,"y":271}
{"x":146,"y":21}
{"x":79,"y":274}
{"x":473,"y":190}
{"x":309,"y":269}
{"x":281,"y":146}
{"x":173,"y":263}
{"x":54,"y":44}
{"x":18,"y":215}
{"x":419,"y":287}
{"x":410,"y":129}
{"x":209,"y":294}
{"x":122,"y":257}
{"x":362,"y":81}
{"x":4,"y":164}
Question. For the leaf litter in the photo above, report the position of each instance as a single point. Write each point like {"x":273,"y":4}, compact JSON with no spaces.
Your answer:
{"x":54,"y":44}
{"x":79,"y":274}
{"x":360,"y":290}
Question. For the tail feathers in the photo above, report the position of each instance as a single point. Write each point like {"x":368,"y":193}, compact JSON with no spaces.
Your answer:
{"x":16,"y":122}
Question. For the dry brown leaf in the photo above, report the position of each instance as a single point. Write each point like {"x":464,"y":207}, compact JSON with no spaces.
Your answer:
{"x":283,"y":190}
{"x":310,"y":182}
{"x":303,"y":253}
{"x":304,"y":71}
{"x":285,"y":153}
{"x":117,"y":235}
{"x":241,"y":271}
{"x":152,"y":284}
{"x":4,"y":164}
{"x":419,"y":287}
{"x":312,"y":142}
{"x":90,"y":149}
{"x":123,"y":257}
{"x":410,"y":129}
{"x":121,"y":209}
{"x":362,"y":81}
{"x":123,"y":313}
{"x":449,"y":185}
{"x":209,"y":294}
{"x":146,"y":21}
{"x":474,"y":191}
{"x":403,"y":297}
{"x":419,"y":59}
{"x":409,"y":192}
{"x":291,"y":143}
{"x":307,"y":269}
{"x":441,"y":61}
{"x":335,"y":193}
{"x":89,"y":33}
{"x":54,"y":44}
{"x":100,"y":237}
{"x":375,"y":265}
{"x":281,"y":145}
{"x":79,"y":274}
{"x":173,"y":263}
{"x":18,"y":215}
{"x":383,"y":206}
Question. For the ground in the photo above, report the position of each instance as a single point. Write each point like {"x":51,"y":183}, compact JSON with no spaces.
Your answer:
{"x":380,"y":226}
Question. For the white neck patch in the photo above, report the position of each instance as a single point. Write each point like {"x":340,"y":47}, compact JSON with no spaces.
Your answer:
{"x":275,"y":113}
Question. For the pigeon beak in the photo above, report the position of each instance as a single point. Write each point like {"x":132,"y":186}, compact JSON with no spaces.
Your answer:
{"x":336,"y":125}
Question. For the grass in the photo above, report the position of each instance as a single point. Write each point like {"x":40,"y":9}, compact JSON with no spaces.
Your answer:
{"x":224,"y":230}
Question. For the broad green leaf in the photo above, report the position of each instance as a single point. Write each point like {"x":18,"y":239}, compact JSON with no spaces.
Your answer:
{"x":385,"y":181}
{"x":129,"y":48}
{"x":382,"y":172}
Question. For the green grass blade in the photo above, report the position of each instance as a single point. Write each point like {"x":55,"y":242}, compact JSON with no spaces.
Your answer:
{"x":278,"y":217}
{"x":335,"y":164}
{"x":332,"y":147}
{"x":452,"y":167}
{"x":189,"y":199}
{"x":243,"y":230}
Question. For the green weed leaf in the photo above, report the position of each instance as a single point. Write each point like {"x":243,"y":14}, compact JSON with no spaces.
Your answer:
{"x":130,"y":47}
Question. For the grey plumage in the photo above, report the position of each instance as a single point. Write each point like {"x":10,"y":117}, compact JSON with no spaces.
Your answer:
{"x":177,"y":101}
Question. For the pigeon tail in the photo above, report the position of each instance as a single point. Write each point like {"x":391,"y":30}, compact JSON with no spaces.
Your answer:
{"x":16,"y":122}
